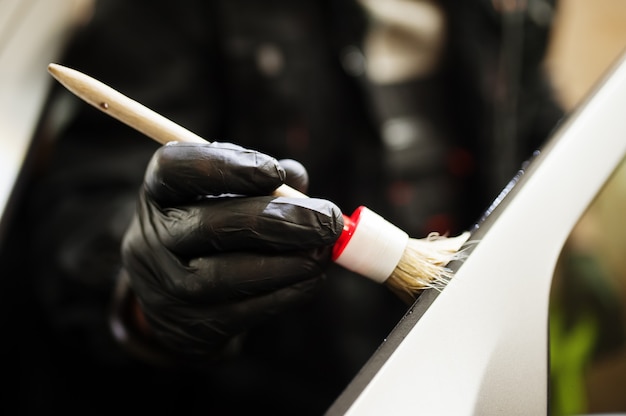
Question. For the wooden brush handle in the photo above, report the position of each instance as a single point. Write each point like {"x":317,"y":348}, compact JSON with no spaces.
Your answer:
{"x":134,"y":114}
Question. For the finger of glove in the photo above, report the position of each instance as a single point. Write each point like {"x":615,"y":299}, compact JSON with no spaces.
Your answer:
{"x":236,"y":276}
{"x":242,"y":224}
{"x":296,"y":175}
{"x":183,"y":172}
{"x":202,"y":328}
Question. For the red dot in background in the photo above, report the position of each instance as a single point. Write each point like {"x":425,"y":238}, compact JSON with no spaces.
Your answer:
{"x":441,"y":223}
{"x":297,"y":138}
{"x":460,"y":162}
{"x":400,"y":193}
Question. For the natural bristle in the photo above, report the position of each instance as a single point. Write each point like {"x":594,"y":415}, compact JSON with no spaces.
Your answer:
{"x":424,"y":264}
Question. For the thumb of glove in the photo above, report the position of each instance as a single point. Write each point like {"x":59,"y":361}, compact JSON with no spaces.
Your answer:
{"x":297,"y":176}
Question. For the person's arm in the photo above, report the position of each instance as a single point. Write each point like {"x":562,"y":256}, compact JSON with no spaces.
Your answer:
{"x":93,"y":182}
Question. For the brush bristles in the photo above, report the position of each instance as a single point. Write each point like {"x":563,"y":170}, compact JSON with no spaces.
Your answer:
{"x":423,"y":264}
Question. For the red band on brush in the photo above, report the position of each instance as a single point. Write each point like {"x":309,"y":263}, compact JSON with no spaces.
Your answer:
{"x":349,"y":226}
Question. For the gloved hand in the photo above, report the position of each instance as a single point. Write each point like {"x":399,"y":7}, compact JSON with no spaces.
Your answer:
{"x":210,"y":253}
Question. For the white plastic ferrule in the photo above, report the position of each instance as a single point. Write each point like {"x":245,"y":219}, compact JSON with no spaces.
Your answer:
{"x":370,"y":245}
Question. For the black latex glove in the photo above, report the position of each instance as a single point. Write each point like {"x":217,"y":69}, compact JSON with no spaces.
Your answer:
{"x":210,"y":253}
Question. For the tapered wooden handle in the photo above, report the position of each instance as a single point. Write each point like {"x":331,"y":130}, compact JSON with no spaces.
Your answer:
{"x":133,"y":114}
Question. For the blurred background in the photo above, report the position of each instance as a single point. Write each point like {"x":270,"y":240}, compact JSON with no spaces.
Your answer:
{"x":588,"y":307}
{"x":588,"y":357}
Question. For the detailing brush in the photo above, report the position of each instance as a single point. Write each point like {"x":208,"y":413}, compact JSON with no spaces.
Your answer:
{"x":369,"y":245}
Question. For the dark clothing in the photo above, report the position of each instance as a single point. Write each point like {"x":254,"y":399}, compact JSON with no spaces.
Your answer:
{"x":271,"y":76}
